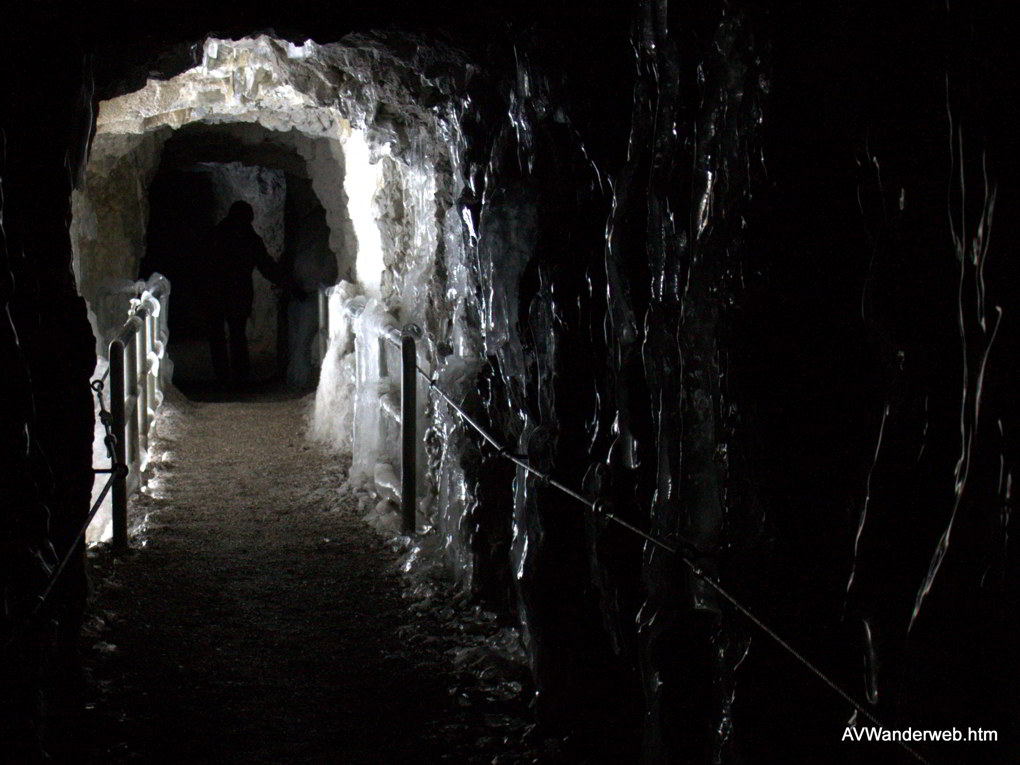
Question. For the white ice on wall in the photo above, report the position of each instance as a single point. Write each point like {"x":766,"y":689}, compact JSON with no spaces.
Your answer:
{"x":362,"y":183}
{"x":420,"y":202}
{"x":247,"y":80}
{"x":457,"y":374}
{"x":405,"y":209}
{"x":456,"y":498}
{"x":375,"y":438}
{"x":392,"y":202}
{"x":332,"y":421}
{"x":465,"y":339}
{"x":394,"y":194}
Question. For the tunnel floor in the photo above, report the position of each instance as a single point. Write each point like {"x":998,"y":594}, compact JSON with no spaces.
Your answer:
{"x":261,"y":621}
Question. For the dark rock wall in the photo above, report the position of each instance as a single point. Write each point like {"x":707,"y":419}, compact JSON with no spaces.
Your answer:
{"x":610,"y":251}
{"x":694,"y":157}
{"x":850,"y":364}
{"x":773,"y":333}
{"x":540,"y":208}
{"x":46,"y":410}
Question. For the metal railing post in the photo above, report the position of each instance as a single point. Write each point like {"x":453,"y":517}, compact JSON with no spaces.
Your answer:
{"x":131,"y":401}
{"x":408,"y":434}
{"x":142,"y":355}
{"x":152,"y":368}
{"x":158,"y":345}
{"x":119,"y":491}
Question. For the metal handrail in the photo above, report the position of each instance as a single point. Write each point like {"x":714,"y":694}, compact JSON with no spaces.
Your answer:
{"x":136,"y":391}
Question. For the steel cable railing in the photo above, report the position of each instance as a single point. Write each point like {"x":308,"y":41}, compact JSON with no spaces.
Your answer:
{"x":685,"y":550}
{"x":115,"y":471}
{"x":136,"y":391}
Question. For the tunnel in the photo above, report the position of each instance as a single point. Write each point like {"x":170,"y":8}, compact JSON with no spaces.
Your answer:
{"x":626,"y":384}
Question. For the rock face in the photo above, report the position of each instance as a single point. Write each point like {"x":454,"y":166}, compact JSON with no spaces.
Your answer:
{"x":108,"y":218}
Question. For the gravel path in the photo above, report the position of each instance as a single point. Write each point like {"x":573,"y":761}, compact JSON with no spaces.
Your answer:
{"x":260,"y":622}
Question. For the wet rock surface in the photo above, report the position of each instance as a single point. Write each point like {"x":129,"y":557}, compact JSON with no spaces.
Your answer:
{"x":259,"y":620}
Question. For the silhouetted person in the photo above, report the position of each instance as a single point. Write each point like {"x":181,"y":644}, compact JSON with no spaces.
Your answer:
{"x":233,"y":251}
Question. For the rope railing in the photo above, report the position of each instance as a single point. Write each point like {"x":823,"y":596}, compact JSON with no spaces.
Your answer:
{"x":116,"y":471}
{"x":135,"y":392}
{"x":58,"y":572}
{"x":686,"y":550}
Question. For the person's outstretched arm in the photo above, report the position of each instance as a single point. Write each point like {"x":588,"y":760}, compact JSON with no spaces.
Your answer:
{"x":275,"y":272}
{"x":268,"y":267}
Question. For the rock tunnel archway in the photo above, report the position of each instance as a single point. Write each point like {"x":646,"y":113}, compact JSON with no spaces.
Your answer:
{"x":360,"y":123}
{"x":348,"y":128}
{"x":249,"y":102}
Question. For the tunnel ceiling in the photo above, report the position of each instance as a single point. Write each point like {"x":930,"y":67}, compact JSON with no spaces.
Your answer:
{"x":244,"y":143}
